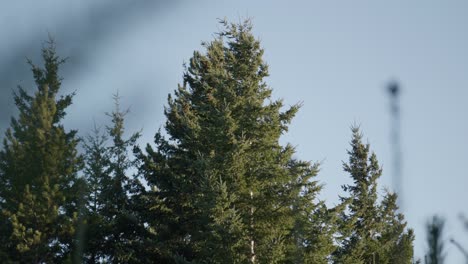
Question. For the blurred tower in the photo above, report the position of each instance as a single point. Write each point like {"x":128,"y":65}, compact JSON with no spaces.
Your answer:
{"x":394,"y":92}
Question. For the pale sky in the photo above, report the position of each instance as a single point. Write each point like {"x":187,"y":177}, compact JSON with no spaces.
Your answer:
{"x":336,"y":57}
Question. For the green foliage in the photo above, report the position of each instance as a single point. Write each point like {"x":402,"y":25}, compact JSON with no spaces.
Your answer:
{"x":97,"y":158}
{"x":224,"y":189}
{"x":114,"y":229}
{"x":38,"y":168}
{"x":216,"y":187}
{"x":370,"y":231}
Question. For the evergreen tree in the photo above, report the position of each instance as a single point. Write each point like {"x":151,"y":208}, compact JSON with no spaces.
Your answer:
{"x":223,"y":190}
{"x":38,"y":172}
{"x":97,"y":158}
{"x":435,"y":243}
{"x":115,"y":232}
{"x":370,"y":231}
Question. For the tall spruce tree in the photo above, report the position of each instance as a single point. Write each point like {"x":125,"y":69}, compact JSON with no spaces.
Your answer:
{"x":123,"y":240}
{"x":371,"y":231}
{"x":97,"y":158}
{"x":115,"y":231}
{"x":38,"y":172}
{"x":223,"y":190}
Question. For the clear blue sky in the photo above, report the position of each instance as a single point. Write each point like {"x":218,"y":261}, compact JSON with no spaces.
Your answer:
{"x":334,"y":56}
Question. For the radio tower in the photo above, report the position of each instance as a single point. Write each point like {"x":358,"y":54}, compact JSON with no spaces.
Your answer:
{"x":394,"y":91}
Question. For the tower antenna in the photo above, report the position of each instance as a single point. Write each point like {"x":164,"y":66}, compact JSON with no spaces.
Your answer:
{"x":394,"y":91}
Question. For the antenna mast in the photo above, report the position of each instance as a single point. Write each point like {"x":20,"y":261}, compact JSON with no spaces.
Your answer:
{"x":394,"y":92}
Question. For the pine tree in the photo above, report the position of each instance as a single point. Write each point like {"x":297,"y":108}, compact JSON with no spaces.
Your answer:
{"x":115,"y":232}
{"x":38,"y":172}
{"x":97,"y":158}
{"x":123,"y":238}
{"x":223,"y":189}
{"x":370,"y":231}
